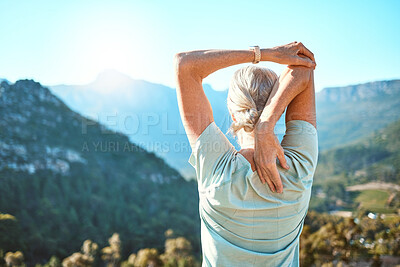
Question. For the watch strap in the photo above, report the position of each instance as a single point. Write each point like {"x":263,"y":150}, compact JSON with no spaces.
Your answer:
{"x":257,"y":53}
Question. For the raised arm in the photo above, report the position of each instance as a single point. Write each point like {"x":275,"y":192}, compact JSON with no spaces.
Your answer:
{"x":295,"y":90}
{"x":190,"y":70}
{"x":287,"y":93}
{"x":193,"y":66}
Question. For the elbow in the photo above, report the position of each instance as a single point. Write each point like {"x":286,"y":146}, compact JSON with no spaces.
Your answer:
{"x":301,"y":73}
{"x":181,"y":62}
{"x":185,"y":65}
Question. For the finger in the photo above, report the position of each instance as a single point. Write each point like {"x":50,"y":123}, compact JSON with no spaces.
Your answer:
{"x":301,"y":55}
{"x":260,"y":175}
{"x":268,"y":180}
{"x":277,"y":180}
{"x":258,"y":169}
{"x":280,"y":153}
{"x":304,"y":61}
{"x":271,"y":186}
{"x":282,"y":160}
{"x":304,"y":50}
{"x":269,"y":176}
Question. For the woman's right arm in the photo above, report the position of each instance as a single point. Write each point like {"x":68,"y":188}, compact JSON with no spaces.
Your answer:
{"x":193,"y":66}
{"x":291,"y":83}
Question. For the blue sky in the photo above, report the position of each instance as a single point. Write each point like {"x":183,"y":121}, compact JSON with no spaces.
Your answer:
{"x":70,"y":42}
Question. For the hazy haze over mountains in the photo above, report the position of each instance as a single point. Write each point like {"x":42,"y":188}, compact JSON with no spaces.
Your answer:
{"x":148,"y":113}
{"x":51,"y":178}
{"x":348,"y":113}
{"x":353,"y":93}
{"x":66,"y":178}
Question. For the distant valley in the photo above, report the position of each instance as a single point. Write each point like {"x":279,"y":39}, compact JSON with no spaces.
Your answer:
{"x":148,"y":113}
{"x":67,"y":177}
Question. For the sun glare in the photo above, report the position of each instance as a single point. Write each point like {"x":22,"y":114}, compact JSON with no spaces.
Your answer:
{"x":108,"y":40}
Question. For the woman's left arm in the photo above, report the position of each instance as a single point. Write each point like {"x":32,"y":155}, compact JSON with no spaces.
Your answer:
{"x":193,"y":66}
{"x":190,"y":70}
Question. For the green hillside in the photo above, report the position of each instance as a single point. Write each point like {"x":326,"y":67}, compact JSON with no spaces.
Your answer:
{"x":346,"y":114}
{"x":372,"y":159}
{"x":373,"y":200}
{"x":67,"y":179}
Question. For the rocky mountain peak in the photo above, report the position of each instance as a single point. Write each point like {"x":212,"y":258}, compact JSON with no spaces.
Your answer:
{"x":359,"y":92}
{"x":82,"y":177}
{"x":112,"y":78}
{"x":24,"y":92}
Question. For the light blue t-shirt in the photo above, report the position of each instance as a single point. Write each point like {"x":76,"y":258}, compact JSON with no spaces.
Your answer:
{"x":243,"y":223}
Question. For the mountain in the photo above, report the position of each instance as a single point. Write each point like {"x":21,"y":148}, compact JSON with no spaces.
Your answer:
{"x":354,"y":93}
{"x":375,"y":159}
{"x":148,"y":113}
{"x":348,"y":113}
{"x":67,"y":178}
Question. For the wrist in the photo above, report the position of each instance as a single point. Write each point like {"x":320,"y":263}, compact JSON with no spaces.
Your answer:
{"x":267,"y":54}
{"x":264,"y":127}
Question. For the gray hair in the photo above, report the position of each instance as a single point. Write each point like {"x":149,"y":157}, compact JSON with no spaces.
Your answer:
{"x":248,"y":93}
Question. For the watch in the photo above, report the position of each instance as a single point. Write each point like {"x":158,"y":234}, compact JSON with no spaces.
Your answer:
{"x":257,"y":53}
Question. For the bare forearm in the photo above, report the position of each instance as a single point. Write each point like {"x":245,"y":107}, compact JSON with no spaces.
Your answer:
{"x":291,"y":83}
{"x":204,"y":62}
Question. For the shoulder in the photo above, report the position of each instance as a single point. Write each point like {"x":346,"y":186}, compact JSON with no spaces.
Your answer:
{"x":212,"y":156}
{"x":300,"y":143}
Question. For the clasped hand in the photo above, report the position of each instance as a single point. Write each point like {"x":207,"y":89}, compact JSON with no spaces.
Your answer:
{"x":267,"y":147}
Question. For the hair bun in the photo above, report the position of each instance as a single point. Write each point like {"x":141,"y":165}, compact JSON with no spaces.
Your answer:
{"x":245,"y":119}
{"x":251,"y":119}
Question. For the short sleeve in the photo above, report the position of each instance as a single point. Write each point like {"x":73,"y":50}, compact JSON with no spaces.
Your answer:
{"x":300,"y":145}
{"x":212,"y":156}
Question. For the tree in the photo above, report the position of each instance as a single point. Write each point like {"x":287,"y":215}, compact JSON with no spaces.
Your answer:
{"x":90,"y":248}
{"x":112,"y":254}
{"x":10,"y":234}
{"x":77,"y":260}
{"x":130,"y":262}
{"x":86,"y":258}
{"x":147,"y":257}
{"x":14,"y":259}
{"x":178,"y":252}
{"x":53,"y":262}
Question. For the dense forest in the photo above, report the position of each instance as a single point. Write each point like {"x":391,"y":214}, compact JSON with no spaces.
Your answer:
{"x":75,"y":193}
{"x":326,"y":240}
{"x":346,"y":114}
{"x":374,"y":158}
{"x":66,"y":178}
